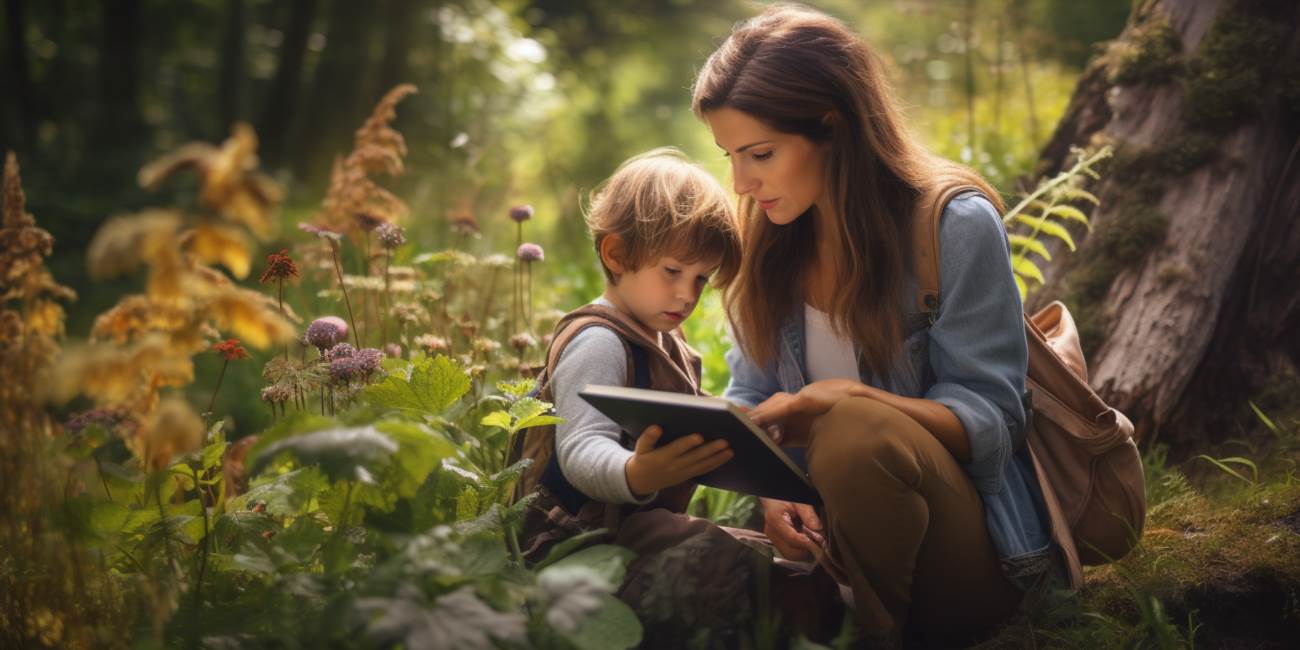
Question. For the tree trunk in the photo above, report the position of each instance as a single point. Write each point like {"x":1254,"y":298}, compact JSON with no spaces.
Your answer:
{"x":399,"y":19}
{"x":1188,"y":287}
{"x":120,"y":121}
{"x":17,"y":77}
{"x":336,"y":106}
{"x":230,"y":93}
{"x":278,"y":114}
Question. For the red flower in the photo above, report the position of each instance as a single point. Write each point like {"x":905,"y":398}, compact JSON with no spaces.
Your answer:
{"x":230,"y":350}
{"x":279,"y":266}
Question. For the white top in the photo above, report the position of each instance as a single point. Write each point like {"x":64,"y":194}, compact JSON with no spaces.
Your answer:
{"x":829,"y":355}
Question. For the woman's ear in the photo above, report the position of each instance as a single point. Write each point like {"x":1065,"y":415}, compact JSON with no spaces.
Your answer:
{"x":611,"y":252}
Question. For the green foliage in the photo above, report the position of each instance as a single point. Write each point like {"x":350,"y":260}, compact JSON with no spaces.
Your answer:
{"x":1044,"y":212}
{"x":428,"y":386}
{"x":723,"y":507}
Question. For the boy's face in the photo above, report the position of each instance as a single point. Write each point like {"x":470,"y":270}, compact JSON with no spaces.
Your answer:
{"x":663,"y":293}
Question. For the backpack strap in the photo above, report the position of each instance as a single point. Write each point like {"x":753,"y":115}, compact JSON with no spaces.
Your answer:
{"x":925,"y":241}
{"x":925,"y":264}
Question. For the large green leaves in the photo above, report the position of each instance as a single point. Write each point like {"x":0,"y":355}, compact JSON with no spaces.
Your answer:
{"x":455,"y":620}
{"x":354,"y":453}
{"x":428,"y":386}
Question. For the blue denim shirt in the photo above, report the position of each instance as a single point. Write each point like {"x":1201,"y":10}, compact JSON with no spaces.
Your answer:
{"x":972,"y":359}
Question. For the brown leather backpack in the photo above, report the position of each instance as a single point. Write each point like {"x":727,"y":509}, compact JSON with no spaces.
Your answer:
{"x":1087,"y":463}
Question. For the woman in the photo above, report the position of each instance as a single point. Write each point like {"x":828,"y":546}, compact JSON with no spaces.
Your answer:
{"x":929,"y":513}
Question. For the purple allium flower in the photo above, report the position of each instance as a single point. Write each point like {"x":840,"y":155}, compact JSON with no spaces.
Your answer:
{"x":390,"y":236}
{"x":346,"y":369}
{"x":371,"y":359}
{"x":324,"y":334}
{"x":530,"y":253}
{"x":393,"y":350}
{"x":521,"y":213}
{"x":340,"y":351}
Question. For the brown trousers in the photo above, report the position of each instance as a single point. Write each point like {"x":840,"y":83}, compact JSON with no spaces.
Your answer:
{"x":905,"y":525}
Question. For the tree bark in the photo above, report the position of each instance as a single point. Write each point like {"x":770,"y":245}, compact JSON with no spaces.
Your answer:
{"x":1205,"y":187}
{"x":399,"y":20}
{"x":17,"y":76}
{"x":120,"y":121}
{"x":280,"y":100}
{"x":230,"y":93}
{"x":334,"y":100}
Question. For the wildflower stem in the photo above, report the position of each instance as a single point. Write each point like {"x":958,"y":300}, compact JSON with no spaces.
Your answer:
{"x":388,"y":262}
{"x":491,"y":291}
{"x":517,"y":299}
{"x":203,"y":559}
{"x":280,"y":296}
{"x":338,"y":270}
{"x":212,"y":402}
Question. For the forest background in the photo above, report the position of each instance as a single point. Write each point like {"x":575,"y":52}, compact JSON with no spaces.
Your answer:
{"x":1184,"y":285}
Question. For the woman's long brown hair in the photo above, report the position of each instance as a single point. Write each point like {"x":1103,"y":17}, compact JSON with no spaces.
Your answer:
{"x":803,"y":72}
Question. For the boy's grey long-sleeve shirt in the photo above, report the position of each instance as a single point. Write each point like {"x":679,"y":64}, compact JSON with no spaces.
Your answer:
{"x":587,"y":442}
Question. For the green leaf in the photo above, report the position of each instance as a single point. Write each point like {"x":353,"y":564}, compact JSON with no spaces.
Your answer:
{"x":517,"y":389}
{"x":496,"y":419}
{"x":1069,"y":213}
{"x":467,"y":504}
{"x":1024,"y":245}
{"x":289,"y":494}
{"x":1223,"y":464}
{"x":528,"y":408}
{"x":614,"y":626}
{"x":564,"y":548}
{"x":1077,"y":194}
{"x":1025,"y":268}
{"x":1268,"y":422}
{"x":538,"y":421}
{"x":1049,"y":228}
{"x":343,"y":454}
{"x":455,"y":620}
{"x":607,"y":560}
{"x":1024,"y":288}
{"x":420,"y":450}
{"x":430,"y":386}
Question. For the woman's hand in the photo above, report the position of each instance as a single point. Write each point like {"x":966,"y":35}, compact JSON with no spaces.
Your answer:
{"x":653,"y":468}
{"x":794,"y":528}
{"x":788,"y":418}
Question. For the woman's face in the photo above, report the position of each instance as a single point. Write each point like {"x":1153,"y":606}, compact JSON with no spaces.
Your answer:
{"x":784,"y":172}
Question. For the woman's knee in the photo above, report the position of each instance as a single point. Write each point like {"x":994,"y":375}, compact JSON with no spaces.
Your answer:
{"x":861,"y":437}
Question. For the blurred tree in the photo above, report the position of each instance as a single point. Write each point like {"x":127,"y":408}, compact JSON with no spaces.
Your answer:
{"x":120,"y":122}
{"x":335,"y":102}
{"x":233,"y":44}
{"x":17,"y":76}
{"x":282,"y":95}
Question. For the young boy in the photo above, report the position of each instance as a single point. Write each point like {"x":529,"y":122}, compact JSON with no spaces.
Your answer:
{"x":663,"y":228}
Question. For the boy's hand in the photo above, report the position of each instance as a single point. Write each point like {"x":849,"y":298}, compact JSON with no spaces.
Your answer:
{"x":651,"y":469}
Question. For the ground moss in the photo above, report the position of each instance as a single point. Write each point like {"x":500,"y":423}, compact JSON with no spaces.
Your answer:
{"x":1149,"y":55}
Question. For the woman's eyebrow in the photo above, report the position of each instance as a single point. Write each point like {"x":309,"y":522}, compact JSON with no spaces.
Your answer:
{"x":742,"y":149}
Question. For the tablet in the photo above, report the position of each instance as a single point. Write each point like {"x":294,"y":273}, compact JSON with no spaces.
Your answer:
{"x":759,"y":466}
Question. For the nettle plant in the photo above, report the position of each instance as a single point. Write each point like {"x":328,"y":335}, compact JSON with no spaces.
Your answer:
{"x":375,"y":510}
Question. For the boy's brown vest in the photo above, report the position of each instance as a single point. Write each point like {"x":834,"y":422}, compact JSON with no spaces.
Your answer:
{"x":673,"y":367}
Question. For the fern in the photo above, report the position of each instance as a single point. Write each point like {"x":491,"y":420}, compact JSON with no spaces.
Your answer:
{"x":1045,"y":211}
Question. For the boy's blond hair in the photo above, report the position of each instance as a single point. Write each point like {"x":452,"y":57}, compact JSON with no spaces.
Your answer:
{"x":659,"y":203}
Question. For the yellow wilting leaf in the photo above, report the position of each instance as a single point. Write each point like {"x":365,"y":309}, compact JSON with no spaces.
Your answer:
{"x":123,"y":243}
{"x":249,"y":316}
{"x":136,"y":315}
{"x":220,"y":244}
{"x":230,"y":182}
{"x":174,"y":429}
{"x":116,"y":374}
